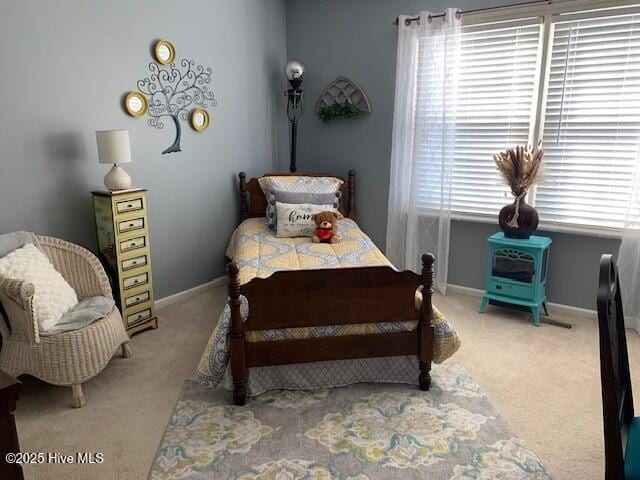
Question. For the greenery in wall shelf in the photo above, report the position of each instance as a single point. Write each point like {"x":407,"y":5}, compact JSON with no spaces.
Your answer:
{"x":342,"y":98}
{"x":338,"y":110}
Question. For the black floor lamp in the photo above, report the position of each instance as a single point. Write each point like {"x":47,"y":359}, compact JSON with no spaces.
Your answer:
{"x":294,"y":72}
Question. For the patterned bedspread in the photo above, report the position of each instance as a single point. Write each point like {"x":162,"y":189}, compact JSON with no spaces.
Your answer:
{"x":259,"y":253}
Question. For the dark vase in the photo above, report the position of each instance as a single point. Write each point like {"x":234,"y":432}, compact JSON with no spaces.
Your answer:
{"x":527,"y":220}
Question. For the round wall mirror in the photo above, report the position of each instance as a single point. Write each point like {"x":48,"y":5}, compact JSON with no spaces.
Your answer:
{"x":136,"y":104}
{"x":200,"y":119}
{"x":165,"y":52}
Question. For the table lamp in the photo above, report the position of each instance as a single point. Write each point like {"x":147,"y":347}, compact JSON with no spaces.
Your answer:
{"x":113,"y":148}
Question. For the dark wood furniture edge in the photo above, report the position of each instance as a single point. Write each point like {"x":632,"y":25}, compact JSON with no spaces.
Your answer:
{"x":239,"y":371}
{"x":305,"y":350}
{"x":244,"y":205}
{"x":617,"y":396}
{"x":351,"y":186}
{"x":10,"y":389}
{"x":426,"y":330}
{"x":334,"y":296}
{"x":253,"y":201}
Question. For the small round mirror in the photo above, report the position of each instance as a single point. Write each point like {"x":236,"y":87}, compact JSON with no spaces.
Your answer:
{"x":200,"y":119}
{"x":165,"y":52}
{"x":136,"y":104}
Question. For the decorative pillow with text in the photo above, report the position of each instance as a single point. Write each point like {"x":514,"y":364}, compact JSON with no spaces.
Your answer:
{"x":296,"y":220}
{"x":284,"y":196}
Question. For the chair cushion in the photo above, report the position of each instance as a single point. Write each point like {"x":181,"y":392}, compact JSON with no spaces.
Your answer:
{"x":52,"y":295}
{"x":14,"y":240}
{"x":632,"y":452}
{"x":87,"y":311}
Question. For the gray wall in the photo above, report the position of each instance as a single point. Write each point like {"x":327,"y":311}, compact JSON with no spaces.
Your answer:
{"x":65,"y":67}
{"x":356,"y":38}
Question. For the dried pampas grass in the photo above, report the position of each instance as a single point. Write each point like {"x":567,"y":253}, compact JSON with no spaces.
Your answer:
{"x":521,"y":167}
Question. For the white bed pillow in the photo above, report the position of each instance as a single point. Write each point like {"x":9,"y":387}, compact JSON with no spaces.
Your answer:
{"x":295,"y":220}
{"x":299,"y":183}
{"x":295,"y":184}
{"x":52,"y":296}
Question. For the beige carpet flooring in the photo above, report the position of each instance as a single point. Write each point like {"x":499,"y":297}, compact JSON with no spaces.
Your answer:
{"x":544,"y":380}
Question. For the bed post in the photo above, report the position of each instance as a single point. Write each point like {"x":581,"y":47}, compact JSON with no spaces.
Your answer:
{"x":351,"y":186}
{"x":425,"y":326}
{"x":236,"y":343}
{"x":244,"y":207}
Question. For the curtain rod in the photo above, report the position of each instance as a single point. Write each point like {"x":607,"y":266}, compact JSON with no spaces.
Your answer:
{"x":475,"y":10}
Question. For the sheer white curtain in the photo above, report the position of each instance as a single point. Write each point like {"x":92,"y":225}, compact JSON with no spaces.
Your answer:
{"x":419,"y":217}
{"x":629,"y":258}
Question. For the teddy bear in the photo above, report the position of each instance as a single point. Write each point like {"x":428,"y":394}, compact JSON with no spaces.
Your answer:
{"x":326,"y":227}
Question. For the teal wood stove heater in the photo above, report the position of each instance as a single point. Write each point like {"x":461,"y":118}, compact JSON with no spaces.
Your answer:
{"x":517,"y":273}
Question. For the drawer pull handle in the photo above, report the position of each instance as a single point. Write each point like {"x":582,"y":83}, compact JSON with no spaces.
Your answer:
{"x":131,"y":224}
{"x":134,"y":262}
{"x":136,"y":281}
{"x":129,"y":205}
{"x":498,"y":287}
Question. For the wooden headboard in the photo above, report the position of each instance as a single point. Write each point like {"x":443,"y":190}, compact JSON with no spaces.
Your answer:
{"x":253,"y":203}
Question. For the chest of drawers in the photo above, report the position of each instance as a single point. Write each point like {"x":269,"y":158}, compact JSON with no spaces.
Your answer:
{"x":123,"y":246}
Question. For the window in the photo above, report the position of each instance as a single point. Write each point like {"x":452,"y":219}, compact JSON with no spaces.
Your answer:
{"x":592,"y":121}
{"x":495,"y":103}
{"x":587,"y":114}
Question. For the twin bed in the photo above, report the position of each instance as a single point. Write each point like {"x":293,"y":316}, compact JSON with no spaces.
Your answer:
{"x":303,"y":315}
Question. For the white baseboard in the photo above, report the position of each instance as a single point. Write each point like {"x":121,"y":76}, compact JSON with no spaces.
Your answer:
{"x":559,"y":307}
{"x":183,"y":295}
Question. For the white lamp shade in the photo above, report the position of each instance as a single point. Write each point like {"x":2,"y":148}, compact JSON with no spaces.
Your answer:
{"x":113,"y":146}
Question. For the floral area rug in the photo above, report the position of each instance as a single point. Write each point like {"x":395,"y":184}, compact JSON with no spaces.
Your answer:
{"x":362,"y":432}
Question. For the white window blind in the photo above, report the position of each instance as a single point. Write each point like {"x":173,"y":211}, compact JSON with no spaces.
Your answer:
{"x":495,"y":104}
{"x":592,"y":120}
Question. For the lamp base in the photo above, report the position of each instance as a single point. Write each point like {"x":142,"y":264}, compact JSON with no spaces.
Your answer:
{"x":117,"y":179}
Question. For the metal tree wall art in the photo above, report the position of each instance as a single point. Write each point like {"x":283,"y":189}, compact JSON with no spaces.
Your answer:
{"x":172,"y":92}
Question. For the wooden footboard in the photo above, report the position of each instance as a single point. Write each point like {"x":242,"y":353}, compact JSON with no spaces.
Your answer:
{"x":310,"y":298}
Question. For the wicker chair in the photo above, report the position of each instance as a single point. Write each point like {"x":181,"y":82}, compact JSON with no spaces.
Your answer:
{"x":69,"y":358}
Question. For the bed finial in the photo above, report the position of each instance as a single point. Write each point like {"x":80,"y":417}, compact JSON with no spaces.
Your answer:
{"x":351,"y":186}
{"x":427,"y":270}
{"x":425,"y":325}
{"x":244,"y":206}
{"x":233,"y":269}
